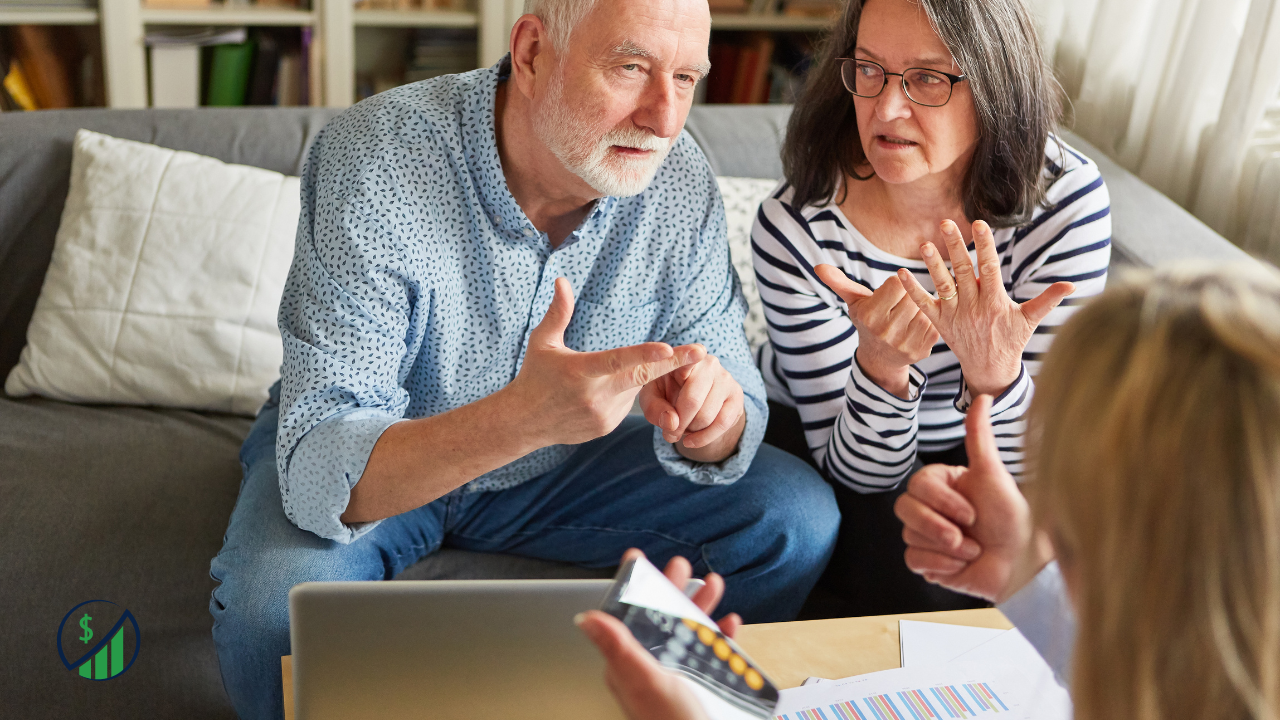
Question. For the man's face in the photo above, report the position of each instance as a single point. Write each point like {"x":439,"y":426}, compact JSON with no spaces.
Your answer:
{"x":619,"y":98}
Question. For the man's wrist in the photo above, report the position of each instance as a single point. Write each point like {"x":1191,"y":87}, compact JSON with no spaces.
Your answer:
{"x":513,"y":417}
{"x":720,"y":448}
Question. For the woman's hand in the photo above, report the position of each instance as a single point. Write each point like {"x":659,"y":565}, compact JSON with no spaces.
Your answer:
{"x":893,"y":333}
{"x":643,"y":689}
{"x":981,"y":324}
{"x":969,"y":529}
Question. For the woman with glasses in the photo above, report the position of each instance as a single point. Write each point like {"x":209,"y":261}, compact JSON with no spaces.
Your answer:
{"x":918,"y":255}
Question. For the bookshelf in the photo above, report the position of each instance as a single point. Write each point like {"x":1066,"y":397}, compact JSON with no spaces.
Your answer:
{"x":767,"y":22}
{"x":334,"y":24}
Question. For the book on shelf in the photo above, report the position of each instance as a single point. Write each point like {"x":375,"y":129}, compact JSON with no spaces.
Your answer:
{"x":453,"y":5}
{"x":177,"y":4}
{"x":175,"y":57}
{"x":47,"y":67}
{"x":756,"y":67}
{"x":740,"y":69}
{"x":812,"y":8}
{"x":226,"y":66}
{"x":429,"y":52}
{"x":50,"y":66}
{"x":229,"y":74}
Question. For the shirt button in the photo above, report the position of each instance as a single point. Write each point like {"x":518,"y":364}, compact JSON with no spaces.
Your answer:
{"x":527,"y":232}
{"x":497,"y":219}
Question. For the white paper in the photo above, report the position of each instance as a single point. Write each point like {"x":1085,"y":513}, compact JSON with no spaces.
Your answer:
{"x":649,"y":588}
{"x":926,"y":642}
{"x":922,"y":691}
{"x":1013,"y":648}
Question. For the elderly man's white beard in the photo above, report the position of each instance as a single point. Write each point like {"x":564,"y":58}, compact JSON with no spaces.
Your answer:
{"x":583,"y":146}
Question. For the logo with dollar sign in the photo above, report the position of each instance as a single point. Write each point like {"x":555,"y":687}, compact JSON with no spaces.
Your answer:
{"x":84,"y":625}
{"x":98,"y":654}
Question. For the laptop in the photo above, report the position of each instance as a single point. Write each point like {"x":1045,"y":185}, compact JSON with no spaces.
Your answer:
{"x":446,"y":649}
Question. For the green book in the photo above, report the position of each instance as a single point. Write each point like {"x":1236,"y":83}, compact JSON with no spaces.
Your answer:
{"x":229,"y":74}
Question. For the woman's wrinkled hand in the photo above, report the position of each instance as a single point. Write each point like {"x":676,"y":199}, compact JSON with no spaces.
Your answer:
{"x":893,"y":333}
{"x":981,"y":324}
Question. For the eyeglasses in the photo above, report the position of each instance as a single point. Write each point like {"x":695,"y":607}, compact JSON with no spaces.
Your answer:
{"x":930,"y":88}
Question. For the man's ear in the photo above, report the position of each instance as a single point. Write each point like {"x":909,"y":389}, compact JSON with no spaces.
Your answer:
{"x":530,"y":49}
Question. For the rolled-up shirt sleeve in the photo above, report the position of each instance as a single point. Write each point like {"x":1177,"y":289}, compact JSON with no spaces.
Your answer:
{"x":711,"y":314}
{"x":345,"y":319}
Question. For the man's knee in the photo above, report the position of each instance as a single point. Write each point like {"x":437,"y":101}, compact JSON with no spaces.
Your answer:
{"x":793,"y":502}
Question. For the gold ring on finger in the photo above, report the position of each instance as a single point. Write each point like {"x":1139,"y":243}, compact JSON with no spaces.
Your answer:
{"x":952,"y":296}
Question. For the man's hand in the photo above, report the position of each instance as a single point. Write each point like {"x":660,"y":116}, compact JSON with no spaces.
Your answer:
{"x":969,"y":529}
{"x":570,"y":397}
{"x":641,"y":686}
{"x":699,"y":407}
{"x":893,"y":333}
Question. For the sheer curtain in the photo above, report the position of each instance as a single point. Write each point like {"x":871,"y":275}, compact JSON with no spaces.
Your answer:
{"x":1184,"y":93}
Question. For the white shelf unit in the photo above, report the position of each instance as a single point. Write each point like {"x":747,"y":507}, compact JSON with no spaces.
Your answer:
{"x":123,"y":24}
{"x":53,"y":16}
{"x":415,"y":19}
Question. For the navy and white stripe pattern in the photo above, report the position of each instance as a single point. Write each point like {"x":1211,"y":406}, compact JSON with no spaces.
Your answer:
{"x":859,"y":433}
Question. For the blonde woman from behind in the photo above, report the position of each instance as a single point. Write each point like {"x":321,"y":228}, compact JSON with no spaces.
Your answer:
{"x":1155,"y":483}
{"x":1157,"y":459}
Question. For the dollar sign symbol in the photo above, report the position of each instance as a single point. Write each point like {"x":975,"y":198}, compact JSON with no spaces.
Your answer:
{"x":84,"y":625}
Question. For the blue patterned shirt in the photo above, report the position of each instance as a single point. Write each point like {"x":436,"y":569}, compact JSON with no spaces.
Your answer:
{"x":416,"y":280}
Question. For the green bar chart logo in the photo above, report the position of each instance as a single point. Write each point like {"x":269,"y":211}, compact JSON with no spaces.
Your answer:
{"x":98,"y":640}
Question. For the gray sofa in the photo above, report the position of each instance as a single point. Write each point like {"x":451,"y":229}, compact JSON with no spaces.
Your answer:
{"x":129,"y":504}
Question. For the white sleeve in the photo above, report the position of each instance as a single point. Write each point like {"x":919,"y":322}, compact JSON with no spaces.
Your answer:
{"x":1042,"y":612}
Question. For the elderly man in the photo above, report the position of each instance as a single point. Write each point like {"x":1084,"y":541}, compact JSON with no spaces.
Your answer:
{"x":490,"y":268}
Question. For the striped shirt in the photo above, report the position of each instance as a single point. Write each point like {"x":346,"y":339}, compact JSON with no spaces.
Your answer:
{"x":859,"y":433}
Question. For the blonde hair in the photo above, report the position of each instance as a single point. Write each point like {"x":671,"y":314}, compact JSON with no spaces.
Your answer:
{"x":1155,"y":459}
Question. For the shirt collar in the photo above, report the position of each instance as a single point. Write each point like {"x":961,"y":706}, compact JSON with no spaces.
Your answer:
{"x":480,"y":147}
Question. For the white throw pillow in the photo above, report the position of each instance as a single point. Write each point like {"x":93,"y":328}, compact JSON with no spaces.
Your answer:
{"x":742,"y":198}
{"x":165,"y":280}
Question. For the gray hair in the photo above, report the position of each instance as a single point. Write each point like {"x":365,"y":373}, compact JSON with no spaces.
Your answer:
{"x":560,"y":17}
{"x":1014,"y":93}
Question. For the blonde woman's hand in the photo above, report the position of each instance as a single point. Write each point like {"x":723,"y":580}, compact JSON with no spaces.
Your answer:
{"x":893,"y":333}
{"x":643,"y":689}
{"x":969,"y":529}
{"x":981,"y":324}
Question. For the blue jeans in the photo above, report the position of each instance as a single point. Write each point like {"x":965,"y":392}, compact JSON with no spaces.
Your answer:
{"x":769,"y":534}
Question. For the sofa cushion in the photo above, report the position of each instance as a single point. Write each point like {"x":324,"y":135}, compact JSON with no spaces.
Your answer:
{"x":165,"y":281}
{"x":121,"y":504}
{"x":130,"y":505}
{"x":34,"y":174}
{"x":742,"y":197}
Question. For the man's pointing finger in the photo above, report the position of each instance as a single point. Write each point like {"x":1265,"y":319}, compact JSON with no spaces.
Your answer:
{"x":645,"y":373}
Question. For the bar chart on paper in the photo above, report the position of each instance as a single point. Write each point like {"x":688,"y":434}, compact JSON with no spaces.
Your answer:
{"x":946,"y":691}
{"x":945,"y":702}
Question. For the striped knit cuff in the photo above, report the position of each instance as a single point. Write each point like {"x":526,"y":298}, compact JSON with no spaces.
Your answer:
{"x":1012,"y":397}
